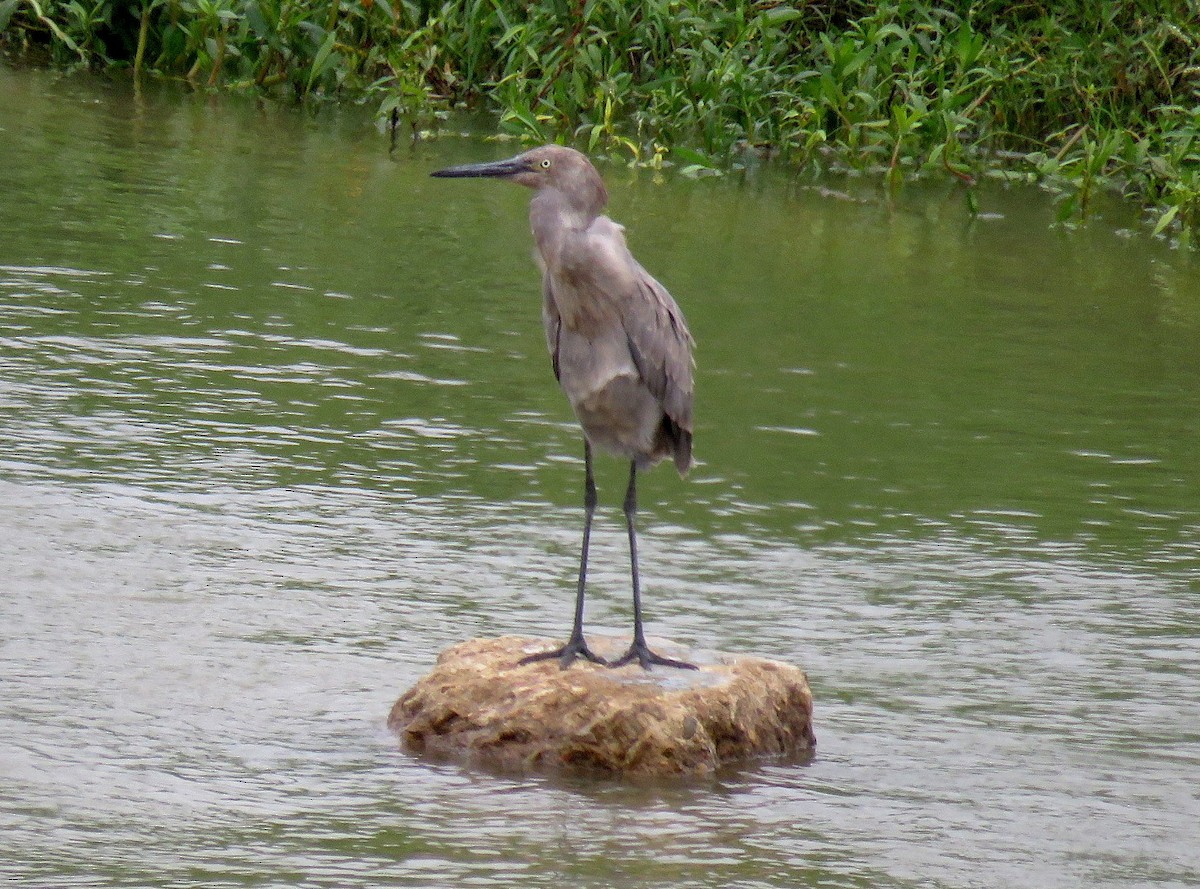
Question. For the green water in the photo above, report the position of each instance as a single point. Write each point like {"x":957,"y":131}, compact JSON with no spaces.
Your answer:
{"x":278,"y":425}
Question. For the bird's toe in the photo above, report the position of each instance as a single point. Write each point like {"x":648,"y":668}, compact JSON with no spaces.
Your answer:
{"x":644,"y":657}
{"x":566,"y":655}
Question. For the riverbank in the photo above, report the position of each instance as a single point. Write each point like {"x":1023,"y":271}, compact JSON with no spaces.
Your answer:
{"x":1100,"y":96}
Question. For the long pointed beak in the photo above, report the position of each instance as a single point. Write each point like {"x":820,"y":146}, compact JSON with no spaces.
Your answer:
{"x":510,"y":167}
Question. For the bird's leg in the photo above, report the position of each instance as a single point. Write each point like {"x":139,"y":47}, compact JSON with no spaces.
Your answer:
{"x":576,"y":646}
{"x":639,"y":651}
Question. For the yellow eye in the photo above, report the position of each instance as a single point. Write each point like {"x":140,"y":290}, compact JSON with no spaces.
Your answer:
{"x":546,"y":164}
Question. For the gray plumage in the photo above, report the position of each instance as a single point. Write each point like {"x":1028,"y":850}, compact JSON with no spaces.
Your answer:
{"x":619,"y":345}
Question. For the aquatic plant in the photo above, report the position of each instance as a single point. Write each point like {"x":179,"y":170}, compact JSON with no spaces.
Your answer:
{"x":1084,"y":97}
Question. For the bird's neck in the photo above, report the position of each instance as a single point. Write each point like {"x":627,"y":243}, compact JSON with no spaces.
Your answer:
{"x":553,"y":218}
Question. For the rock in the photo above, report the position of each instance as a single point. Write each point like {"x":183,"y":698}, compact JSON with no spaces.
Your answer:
{"x":478,"y":706}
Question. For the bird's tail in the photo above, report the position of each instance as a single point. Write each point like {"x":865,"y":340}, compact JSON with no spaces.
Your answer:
{"x":681,"y":447}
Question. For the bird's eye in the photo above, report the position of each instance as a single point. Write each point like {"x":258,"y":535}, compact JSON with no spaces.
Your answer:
{"x":546,"y":164}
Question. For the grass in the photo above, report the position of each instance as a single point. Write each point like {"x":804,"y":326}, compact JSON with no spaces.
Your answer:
{"x":1083,"y":96}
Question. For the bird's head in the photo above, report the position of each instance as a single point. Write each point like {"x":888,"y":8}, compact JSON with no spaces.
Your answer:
{"x":565,"y":170}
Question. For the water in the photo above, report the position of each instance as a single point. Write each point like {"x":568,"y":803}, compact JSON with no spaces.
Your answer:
{"x":278,"y":426}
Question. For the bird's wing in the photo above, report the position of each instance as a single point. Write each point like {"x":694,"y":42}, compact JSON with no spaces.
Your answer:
{"x":661,"y":346}
{"x":552,"y":322}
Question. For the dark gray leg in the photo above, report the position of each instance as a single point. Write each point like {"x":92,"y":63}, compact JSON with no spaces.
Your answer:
{"x":576,"y":646}
{"x":639,"y":651}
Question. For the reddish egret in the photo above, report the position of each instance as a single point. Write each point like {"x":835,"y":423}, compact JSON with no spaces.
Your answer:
{"x":618,"y":344}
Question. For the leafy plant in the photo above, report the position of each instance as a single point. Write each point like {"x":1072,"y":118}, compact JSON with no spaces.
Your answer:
{"x":1085,"y":97}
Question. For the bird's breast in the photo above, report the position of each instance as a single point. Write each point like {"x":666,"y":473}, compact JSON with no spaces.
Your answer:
{"x":614,"y":406}
{"x":583,"y":307}
{"x":587,"y":364}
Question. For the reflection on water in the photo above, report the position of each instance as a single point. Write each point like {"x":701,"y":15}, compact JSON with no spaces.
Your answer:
{"x":278,"y":426}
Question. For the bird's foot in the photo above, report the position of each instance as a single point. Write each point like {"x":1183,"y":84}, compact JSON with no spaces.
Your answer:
{"x":641,"y":653}
{"x":575,"y":647}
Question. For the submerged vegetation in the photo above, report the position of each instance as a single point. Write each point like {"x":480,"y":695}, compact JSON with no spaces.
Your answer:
{"x":1082,"y":96}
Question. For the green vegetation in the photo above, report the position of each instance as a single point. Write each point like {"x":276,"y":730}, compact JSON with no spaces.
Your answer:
{"x":1083,"y":96}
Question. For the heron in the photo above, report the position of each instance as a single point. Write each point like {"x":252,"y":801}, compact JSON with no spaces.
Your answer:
{"x":619,"y":347}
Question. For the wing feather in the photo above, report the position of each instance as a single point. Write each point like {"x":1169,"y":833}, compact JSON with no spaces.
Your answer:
{"x":552,"y":322}
{"x":661,"y":346}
